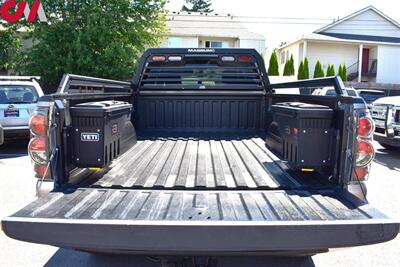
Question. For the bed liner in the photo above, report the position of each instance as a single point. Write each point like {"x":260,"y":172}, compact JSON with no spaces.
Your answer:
{"x":203,"y":163}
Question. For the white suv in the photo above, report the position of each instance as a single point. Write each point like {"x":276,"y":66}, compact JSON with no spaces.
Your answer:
{"x":18,"y":99}
{"x":386,"y":114}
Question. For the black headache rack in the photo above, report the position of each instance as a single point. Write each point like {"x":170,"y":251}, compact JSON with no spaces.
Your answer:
{"x":201,"y":69}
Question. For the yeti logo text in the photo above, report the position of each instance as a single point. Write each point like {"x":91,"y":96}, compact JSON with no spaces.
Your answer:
{"x":11,"y":12}
{"x":89,"y":137}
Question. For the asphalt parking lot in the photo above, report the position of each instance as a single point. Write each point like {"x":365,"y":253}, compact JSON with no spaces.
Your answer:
{"x":17,"y":189}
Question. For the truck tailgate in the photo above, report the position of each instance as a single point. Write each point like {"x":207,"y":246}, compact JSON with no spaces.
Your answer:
{"x":183,"y":221}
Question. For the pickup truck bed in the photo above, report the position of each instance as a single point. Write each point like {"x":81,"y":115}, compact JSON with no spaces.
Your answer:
{"x":199,"y":195}
{"x":241,"y":162}
{"x":193,"y":174}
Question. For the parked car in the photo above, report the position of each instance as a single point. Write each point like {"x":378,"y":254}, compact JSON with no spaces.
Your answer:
{"x":18,"y":99}
{"x":198,"y":156}
{"x":330,"y":91}
{"x":386,"y":114}
{"x":370,"y":96}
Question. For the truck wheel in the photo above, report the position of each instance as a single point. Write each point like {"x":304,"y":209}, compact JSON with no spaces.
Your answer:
{"x":389,"y":147}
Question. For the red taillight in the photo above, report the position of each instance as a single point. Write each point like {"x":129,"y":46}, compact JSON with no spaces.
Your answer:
{"x":360,"y":173}
{"x":42,"y":170}
{"x":245,"y":58}
{"x":158,"y":58}
{"x":365,"y":127}
{"x":365,"y":153}
{"x":37,"y":149}
{"x":38,"y":124}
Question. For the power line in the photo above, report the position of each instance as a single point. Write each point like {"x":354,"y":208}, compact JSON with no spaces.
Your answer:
{"x":271,"y":22}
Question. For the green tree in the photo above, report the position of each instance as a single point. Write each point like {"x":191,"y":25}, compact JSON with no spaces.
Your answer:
{"x":102,"y":38}
{"x":273,"y":69}
{"x":330,"y":71}
{"x":287,"y":69}
{"x":344,"y":73}
{"x":318,"y":71}
{"x":198,"y":6}
{"x":10,"y":44}
{"x":291,"y":69}
{"x":300,"y":72}
{"x":306,"y":69}
{"x":340,"y":70}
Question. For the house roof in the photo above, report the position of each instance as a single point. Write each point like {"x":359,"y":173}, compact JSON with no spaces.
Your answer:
{"x":208,"y":25}
{"x":395,"y":23}
{"x":325,"y":34}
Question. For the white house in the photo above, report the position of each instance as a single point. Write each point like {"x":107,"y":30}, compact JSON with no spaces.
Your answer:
{"x":367,"y":41}
{"x":201,"y":30}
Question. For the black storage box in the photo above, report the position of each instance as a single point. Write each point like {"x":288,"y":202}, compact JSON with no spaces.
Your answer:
{"x":97,"y":132}
{"x":303,"y":134}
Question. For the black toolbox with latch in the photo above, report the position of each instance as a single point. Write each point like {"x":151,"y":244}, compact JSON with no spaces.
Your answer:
{"x":303,"y":134}
{"x":100,"y":131}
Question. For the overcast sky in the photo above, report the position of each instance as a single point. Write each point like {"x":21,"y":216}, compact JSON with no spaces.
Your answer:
{"x":276,"y":33}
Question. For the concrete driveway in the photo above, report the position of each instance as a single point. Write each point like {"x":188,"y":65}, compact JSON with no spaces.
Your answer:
{"x":17,"y":188}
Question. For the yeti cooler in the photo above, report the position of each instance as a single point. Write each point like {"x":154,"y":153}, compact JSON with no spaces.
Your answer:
{"x":98,"y":132}
{"x":306,"y":134}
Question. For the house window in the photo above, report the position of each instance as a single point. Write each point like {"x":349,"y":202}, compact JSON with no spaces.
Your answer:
{"x":174,"y":42}
{"x":283,"y":57}
{"x":215,"y":44}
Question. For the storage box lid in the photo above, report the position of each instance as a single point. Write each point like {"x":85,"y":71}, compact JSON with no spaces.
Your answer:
{"x":101,"y":108}
{"x":303,"y":110}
